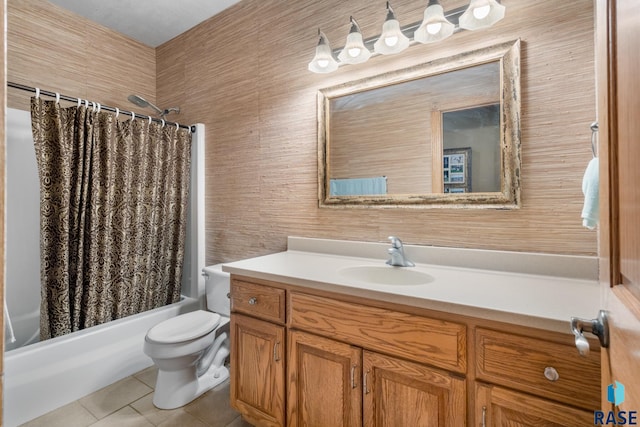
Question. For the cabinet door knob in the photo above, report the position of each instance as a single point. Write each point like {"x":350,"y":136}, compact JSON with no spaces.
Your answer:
{"x":364,"y":383}
{"x":253,"y":301}
{"x":353,"y":376}
{"x":551,"y":374}
{"x":276,"y":358}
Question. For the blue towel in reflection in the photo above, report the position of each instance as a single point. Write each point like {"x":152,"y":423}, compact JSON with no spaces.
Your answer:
{"x":358,"y":186}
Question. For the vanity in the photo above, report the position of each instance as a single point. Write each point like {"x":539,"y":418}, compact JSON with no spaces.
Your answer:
{"x":326,"y":334}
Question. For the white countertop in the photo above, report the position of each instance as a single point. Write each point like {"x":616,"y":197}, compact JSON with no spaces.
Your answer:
{"x":540,"y":301}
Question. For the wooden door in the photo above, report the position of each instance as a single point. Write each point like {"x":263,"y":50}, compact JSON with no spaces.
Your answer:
{"x":324,"y":382}
{"x":257,"y":370}
{"x":618,"y":88}
{"x":500,"y":407}
{"x":401,"y":393}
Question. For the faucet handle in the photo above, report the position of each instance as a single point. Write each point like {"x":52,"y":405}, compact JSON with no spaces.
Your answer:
{"x":395,"y":242}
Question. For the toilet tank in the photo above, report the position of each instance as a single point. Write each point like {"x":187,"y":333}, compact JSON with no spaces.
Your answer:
{"x":217,"y":287}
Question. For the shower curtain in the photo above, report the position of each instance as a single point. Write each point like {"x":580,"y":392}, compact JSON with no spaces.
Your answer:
{"x":113,"y":212}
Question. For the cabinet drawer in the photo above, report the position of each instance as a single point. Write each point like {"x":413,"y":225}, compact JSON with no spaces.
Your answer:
{"x":435,"y":342}
{"x":520,"y":362}
{"x":258,"y":300}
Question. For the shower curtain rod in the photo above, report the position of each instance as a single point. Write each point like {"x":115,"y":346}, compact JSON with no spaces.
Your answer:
{"x":104,"y":107}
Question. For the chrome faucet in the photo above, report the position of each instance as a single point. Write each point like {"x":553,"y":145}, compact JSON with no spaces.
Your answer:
{"x":396,"y":252}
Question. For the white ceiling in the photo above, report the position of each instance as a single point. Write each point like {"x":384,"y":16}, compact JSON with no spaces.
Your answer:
{"x":151,"y":22}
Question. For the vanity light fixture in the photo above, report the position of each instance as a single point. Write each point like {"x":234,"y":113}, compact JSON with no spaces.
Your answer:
{"x":481,"y":14}
{"x":354,"y":51}
{"x":392,"y":40}
{"x":323,"y":62}
{"x":436,"y":26}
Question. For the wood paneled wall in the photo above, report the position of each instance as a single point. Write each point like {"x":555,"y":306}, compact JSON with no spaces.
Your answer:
{"x":57,"y":50}
{"x":243,"y":74}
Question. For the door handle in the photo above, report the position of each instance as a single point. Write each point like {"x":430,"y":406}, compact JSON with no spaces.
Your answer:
{"x":598,"y":327}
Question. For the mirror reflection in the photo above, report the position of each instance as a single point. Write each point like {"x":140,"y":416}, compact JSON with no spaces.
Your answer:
{"x":431,"y":134}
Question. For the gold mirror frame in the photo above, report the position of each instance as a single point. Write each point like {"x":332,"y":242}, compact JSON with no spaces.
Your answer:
{"x":508,"y":55}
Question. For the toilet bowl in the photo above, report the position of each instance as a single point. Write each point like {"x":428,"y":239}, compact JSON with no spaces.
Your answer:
{"x":189,"y":350}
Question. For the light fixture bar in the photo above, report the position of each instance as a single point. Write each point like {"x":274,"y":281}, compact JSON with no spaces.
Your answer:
{"x":453,"y":16}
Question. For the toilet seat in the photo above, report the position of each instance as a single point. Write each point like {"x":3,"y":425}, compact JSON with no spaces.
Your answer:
{"x":184,"y":327}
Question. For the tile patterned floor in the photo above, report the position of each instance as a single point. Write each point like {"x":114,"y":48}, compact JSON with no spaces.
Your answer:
{"x":127,"y":403}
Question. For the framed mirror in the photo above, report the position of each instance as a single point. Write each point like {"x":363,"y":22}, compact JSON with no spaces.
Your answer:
{"x":440,"y":134}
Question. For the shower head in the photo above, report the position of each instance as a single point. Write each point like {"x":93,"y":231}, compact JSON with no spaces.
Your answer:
{"x":143,"y":103}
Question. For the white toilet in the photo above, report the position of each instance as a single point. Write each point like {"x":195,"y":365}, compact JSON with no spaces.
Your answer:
{"x":189,"y":356}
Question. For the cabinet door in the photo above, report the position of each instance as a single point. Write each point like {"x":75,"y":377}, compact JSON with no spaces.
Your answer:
{"x":257,"y":370}
{"x":401,"y":393}
{"x":324,"y":382}
{"x":499,"y":407}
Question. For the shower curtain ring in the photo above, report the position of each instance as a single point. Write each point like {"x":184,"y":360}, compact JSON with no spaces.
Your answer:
{"x":133,"y":116}
{"x":79,"y":102}
{"x":149,"y":120}
{"x":37,"y":92}
{"x":117,"y":112}
{"x":162,"y":122}
{"x":86,"y":103}
{"x":99,"y":107}
{"x":57,"y":98}
{"x":177,"y":127}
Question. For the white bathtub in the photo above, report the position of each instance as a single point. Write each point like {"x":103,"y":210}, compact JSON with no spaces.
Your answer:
{"x":47,"y":375}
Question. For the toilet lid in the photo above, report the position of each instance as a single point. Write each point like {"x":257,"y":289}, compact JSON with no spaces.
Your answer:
{"x":184,"y":327}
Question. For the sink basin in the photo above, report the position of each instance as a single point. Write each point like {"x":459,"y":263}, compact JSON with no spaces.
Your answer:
{"x":386,"y":275}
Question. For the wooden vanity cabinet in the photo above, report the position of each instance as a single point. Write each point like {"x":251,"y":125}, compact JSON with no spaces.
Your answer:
{"x":500,"y":407}
{"x":258,"y":353}
{"x":349,"y":363}
{"x":527,"y":381}
{"x":364,"y":378}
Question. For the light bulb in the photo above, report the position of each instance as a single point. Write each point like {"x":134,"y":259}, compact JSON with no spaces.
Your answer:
{"x":354,"y":51}
{"x":391,"y":41}
{"x":481,"y":14}
{"x":434,"y":28}
{"x":324,"y":61}
{"x":482,"y":11}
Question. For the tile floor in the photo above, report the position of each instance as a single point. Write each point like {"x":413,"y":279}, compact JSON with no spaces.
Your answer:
{"x":127,"y":403}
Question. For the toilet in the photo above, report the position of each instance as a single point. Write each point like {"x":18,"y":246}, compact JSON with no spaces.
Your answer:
{"x":189,"y":350}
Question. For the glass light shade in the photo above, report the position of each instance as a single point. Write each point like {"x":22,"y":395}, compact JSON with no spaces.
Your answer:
{"x":354,"y":52}
{"x":391,"y":40}
{"x":435,"y":26}
{"x":323,"y":62}
{"x":481,"y":14}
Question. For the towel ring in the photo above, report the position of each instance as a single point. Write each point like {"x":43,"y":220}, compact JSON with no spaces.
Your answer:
{"x":594,"y":132}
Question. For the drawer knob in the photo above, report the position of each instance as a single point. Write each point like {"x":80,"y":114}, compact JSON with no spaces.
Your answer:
{"x":253,"y":301}
{"x":551,"y":374}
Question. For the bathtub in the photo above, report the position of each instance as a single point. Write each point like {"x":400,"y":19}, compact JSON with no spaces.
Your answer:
{"x":49,"y":374}
{"x":43,"y":376}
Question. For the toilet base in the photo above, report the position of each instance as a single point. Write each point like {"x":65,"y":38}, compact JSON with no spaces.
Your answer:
{"x":177,"y":388}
